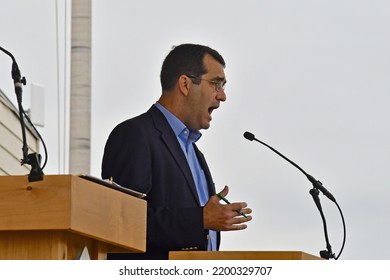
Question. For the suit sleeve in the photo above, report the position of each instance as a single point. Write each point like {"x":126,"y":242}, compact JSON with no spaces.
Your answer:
{"x":127,"y":158}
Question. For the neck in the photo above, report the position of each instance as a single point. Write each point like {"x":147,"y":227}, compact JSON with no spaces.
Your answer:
{"x":172,"y":104}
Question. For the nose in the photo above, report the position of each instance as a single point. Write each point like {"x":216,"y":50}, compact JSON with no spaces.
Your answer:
{"x":221,"y":95}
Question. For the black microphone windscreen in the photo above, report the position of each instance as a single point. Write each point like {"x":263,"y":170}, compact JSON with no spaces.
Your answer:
{"x":249,"y":136}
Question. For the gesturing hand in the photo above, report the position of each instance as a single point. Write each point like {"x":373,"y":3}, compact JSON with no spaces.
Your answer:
{"x":220,"y":217}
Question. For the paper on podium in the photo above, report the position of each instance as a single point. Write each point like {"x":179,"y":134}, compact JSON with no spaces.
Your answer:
{"x":113,"y":185}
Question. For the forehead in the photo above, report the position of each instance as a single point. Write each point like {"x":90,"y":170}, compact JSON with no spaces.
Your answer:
{"x":213,"y":67}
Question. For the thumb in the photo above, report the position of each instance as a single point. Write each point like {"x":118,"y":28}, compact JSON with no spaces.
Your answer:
{"x":225,"y":191}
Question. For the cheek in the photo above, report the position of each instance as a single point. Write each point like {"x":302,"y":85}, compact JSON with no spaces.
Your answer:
{"x":201,"y":103}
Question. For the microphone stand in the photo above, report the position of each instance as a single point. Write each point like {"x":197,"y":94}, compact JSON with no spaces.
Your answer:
{"x":325,"y":254}
{"x":34,"y":159}
{"x":317,"y":187}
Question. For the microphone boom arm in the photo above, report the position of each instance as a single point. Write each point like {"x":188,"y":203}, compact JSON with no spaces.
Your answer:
{"x":317,"y":186}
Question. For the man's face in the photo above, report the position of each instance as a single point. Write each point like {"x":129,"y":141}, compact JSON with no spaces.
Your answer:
{"x":203,"y":99}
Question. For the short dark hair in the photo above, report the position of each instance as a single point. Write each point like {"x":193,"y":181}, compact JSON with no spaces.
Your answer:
{"x":185,"y":59}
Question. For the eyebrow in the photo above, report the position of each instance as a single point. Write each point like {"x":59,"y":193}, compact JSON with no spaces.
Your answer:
{"x":218,"y":78}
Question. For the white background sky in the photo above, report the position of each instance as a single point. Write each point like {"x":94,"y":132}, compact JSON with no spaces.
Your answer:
{"x":310,"y":78}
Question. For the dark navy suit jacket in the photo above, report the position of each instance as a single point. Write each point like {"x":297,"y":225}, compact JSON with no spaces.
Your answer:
{"x":144,"y":154}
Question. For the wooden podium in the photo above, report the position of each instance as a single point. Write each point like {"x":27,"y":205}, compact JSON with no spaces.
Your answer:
{"x":241,"y":255}
{"x":58,"y":217}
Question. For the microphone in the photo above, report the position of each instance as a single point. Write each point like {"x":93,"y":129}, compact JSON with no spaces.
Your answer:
{"x":19,"y":81}
{"x":316,"y":184}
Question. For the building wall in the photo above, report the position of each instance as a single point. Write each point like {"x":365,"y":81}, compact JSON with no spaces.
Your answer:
{"x":11,"y":139}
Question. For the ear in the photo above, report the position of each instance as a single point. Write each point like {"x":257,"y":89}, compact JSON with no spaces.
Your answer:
{"x":184,"y":84}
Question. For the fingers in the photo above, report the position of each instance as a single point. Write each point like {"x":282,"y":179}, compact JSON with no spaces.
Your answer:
{"x":236,"y":223}
{"x":225,"y":217}
{"x":236,"y":206}
{"x":236,"y":227}
{"x":246,"y":211}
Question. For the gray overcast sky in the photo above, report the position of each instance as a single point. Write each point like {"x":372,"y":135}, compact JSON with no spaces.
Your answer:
{"x":310,"y":78}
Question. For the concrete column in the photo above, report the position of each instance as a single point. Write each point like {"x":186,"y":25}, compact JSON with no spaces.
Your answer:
{"x":80,"y":96}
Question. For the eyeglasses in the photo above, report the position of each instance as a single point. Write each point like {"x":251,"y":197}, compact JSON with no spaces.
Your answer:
{"x":219,"y":85}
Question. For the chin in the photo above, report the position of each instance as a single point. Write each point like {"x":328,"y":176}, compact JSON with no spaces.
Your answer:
{"x":206,"y":126}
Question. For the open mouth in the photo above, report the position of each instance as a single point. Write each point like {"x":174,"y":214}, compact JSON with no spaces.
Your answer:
{"x":211,"y":109}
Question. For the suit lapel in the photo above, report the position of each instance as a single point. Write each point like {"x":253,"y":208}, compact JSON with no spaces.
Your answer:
{"x":171,"y":142}
{"x":206,"y":170}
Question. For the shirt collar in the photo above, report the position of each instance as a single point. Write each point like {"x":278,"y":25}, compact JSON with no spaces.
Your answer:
{"x":180,"y":130}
